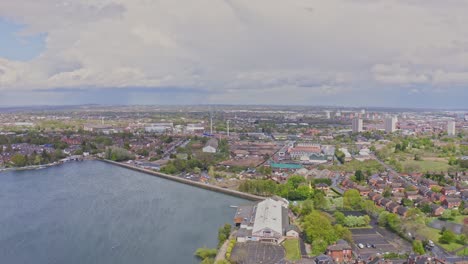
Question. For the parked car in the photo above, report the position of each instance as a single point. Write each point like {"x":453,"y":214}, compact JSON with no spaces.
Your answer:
{"x":430,"y":243}
{"x":360,"y":245}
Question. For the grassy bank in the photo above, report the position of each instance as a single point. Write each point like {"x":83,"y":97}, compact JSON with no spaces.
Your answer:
{"x":293,"y":252}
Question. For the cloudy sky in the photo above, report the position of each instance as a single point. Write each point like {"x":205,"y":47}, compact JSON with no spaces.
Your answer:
{"x":310,"y":52}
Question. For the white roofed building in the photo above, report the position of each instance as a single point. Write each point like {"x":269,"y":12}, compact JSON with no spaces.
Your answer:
{"x":267,"y":221}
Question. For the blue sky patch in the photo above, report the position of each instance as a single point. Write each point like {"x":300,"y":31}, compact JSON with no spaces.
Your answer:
{"x":14,"y":46}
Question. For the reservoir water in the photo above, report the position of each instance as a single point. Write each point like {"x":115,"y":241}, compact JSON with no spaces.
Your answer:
{"x":94,"y":212}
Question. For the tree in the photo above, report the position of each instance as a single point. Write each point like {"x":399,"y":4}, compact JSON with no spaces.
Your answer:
{"x":223,"y":234}
{"x":307,"y":207}
{"x":418,"y":247}
{"x":383,"y":218}
{"x":295,"y":180}
{"x":446,"y":215}
{"x":319,"y":200}
{"x":339,"y":217}
{"x":319,"y":231}
{"x":387,"y":192}
{"x":447,"y":237}
{"x":426,"y":208}
{"x":407,"y":202}
{"x":366,"y":219}
{"x":393,"y":222}
{"x":359,"y":176}
{"x":352,"y":199}
{"x":461,"y":239}
{"x":118,"y":154}
{"x":37,"y":160}
{"x":19,"y":160}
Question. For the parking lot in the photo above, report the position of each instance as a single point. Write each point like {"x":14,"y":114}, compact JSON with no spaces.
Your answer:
{"x":372,"y":237}
{"x":257,"y":252}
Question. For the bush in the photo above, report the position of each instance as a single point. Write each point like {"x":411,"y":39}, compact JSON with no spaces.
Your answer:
{"x":418,"y":247}
{"x":204,"y":253}
{"x":447,"y":237}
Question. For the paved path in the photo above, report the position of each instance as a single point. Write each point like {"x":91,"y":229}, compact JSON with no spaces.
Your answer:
{"x":222,"y":251}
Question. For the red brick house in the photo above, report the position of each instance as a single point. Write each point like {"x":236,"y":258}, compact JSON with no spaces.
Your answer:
{"x":412,"y":195}
{"x":451,"y":190}
{"x":340,"y":252}
{"x":373,"y":196}
{"x":402,"y":211}
{"x":363,"y":191}
{"x":385,"y":202}
{"x":437,"y":210}
{"x":392,"y":207}
{"x":452,"y":202}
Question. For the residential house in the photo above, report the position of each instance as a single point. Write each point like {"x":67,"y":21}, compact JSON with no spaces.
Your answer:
{"x":340,"y":252}
{"x":385,"y":202}
{"x":392,"y":207}
{"x":411,"y":195}
{"x":292,"y":231}
{"x":402,"y":211}
{"x":398,"y":196}
{"x":322,"y":186}
{"x":452,"y":202}
{"x":437,"y":197}
{"x":464,"y":195}
{"x":429,"y":183}
{"x":373,"y":196}
{"x":449,"y":190}
{"x":436,"y":210}
{"x":363,"y":190}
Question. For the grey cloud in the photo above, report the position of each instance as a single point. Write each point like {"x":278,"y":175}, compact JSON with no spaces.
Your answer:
{"x":322,"y":47}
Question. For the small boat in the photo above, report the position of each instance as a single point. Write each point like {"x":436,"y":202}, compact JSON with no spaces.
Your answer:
{"x":233,"y":206}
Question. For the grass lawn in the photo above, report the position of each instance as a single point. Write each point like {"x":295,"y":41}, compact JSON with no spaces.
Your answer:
{"x":361,"y":227}
{"x":293,"y":251}
{"x":459,"y":219}
{"x":463,"y":253}
{"x":433,"y":234}
{"x":428,"y":165}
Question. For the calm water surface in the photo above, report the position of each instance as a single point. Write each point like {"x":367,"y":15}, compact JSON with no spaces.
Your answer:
{"x":94,"y":212}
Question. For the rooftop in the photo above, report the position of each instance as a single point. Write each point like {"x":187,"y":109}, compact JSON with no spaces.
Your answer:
{"x":268,"y":215}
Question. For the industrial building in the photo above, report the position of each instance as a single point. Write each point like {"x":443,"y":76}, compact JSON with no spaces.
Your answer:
{"x":267,"y":221}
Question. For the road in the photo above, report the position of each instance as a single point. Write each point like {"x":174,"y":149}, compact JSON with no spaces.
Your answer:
{"x":335,"y":184}
{"x":172,"y":149}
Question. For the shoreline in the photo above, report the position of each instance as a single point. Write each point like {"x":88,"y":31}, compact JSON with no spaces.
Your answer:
{"x":242,"y":195}
{"x":33,"y":167}
{"x":36,"y":167}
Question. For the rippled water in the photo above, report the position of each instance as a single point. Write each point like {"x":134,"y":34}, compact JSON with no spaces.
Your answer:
{"x":94,"y":212}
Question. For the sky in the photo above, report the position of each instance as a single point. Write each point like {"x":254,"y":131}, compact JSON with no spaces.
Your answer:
{"x":392,"y":53}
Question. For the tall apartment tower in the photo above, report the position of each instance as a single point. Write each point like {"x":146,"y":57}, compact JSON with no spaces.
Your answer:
{"x":390,"y":124}
{"x":451,"y":128}
{"x":357,"y":125}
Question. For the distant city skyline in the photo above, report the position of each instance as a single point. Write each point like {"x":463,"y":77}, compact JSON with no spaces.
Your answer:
{"x":397,"y":54}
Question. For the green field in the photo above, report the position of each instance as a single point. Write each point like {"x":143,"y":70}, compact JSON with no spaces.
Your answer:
{"x":427,"y":165}
{"x":293,"y":251}
{"x":433,"y":234}
{"x":459,"y":219}
{"x":463,"y":253}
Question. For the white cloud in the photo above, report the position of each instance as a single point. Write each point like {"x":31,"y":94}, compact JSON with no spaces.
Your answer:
{"x":250,"y":45}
